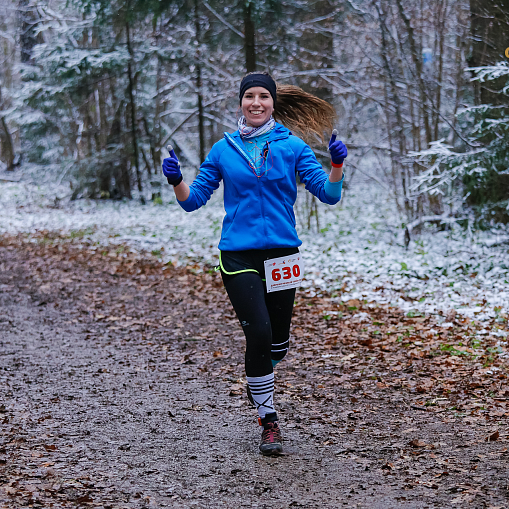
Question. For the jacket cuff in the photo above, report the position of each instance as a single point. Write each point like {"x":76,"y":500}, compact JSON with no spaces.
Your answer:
{"x":188,"y":205}
{"x":333,"y":189}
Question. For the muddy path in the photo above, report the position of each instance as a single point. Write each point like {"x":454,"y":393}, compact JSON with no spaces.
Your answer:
{"x":121,"y":386}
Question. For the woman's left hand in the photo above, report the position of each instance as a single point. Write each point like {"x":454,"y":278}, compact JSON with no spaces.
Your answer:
{"x":338,"y":151}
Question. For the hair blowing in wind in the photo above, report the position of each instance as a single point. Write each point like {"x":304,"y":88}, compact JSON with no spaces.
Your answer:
{"x":304,"y":113}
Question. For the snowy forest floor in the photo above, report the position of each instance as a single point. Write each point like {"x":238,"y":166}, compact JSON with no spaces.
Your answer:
{"x":122,"y":386}
{"x":357,"y":251}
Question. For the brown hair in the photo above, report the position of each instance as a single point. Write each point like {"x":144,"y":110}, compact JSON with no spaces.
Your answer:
{"x":303,"y":113}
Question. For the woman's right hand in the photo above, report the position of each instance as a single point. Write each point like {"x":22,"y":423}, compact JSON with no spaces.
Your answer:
{"x":171,"y":169}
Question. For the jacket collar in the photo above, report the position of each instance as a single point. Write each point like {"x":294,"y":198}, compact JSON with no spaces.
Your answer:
{"x":280,"y":132}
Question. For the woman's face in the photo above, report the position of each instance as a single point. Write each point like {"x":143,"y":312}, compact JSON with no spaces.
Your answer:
{"x":257,"y":106}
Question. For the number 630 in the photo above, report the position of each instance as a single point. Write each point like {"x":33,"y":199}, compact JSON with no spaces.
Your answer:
{"x":287,"y":273}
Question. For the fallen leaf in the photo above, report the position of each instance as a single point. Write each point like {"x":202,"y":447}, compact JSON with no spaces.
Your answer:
{"x":84,"y":499}
{"x":493,"y":437}
{"x":418,"y":443}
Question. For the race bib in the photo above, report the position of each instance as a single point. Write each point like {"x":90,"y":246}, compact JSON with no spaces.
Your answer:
{"x":284,"y":272}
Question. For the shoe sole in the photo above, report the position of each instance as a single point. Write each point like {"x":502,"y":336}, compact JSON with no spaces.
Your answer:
{"x":271,"y":450}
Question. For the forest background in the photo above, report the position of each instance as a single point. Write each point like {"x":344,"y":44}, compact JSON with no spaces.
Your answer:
{"x":91,"y":91}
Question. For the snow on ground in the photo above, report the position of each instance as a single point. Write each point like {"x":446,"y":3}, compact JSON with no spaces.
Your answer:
{"x":358,"y":252}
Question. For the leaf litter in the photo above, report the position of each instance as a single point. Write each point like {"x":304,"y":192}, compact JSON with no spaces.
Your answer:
{"x":414,"y":403}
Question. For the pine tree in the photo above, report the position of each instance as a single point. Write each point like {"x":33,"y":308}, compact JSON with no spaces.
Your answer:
{"x":88,"y":90}
{"x":477,"y":174}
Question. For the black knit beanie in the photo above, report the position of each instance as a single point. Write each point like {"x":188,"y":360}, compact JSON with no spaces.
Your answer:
{"x":258,"y":80}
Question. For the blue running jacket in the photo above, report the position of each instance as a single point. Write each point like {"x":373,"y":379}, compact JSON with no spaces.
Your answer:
{"x":259,"y":209}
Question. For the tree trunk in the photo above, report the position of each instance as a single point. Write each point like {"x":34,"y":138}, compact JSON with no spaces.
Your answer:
{"x":155,"y":146}
{"x":27,"y":38}
{"x":317,"y":51}
{"x":393,"y":88}
{"x":199,"y":85}
{"x":133,"y":108}
{"x":460,"y":65}
{"x":417,"y":60}
{"x":249,"y":40}
{"x":6,"y":144}
{"x":442,"y":15}
{"x":489,"y":25}
{"x":119,"y":168}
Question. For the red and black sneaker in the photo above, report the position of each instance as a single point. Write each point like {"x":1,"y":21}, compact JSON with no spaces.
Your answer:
{"x":272,"y":441}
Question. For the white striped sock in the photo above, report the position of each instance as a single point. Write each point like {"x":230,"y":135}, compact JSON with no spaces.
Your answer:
{"x":262,"y":390}
{"x":279,"y":350}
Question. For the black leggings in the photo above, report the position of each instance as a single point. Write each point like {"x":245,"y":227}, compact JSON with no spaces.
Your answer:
{"x":265,"y":318}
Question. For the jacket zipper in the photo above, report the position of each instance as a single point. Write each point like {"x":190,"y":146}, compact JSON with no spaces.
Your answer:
{"x":236,"y":146}
{"x":259,"y":184}
{"x":239,"y":149}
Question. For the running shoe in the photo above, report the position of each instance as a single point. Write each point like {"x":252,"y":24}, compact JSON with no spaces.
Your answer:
{"x":272,"y":441}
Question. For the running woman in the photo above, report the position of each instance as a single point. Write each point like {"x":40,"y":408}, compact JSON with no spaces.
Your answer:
{"x":258,"y":164}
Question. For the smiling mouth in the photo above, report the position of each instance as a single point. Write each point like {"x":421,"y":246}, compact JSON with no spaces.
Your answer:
{"x":256,"y":112}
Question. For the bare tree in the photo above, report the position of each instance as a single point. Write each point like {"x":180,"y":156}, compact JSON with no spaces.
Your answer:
{"x":6,"y":143}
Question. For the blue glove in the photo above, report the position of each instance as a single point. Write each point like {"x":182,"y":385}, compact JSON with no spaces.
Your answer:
{"x":337,"y":149}
{"x":171,"y":168}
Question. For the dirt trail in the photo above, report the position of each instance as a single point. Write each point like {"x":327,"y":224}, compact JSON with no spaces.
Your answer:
{"x":117,"y":392}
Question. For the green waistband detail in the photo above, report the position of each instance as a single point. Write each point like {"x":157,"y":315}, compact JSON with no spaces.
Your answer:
{"x":237,"y":271}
